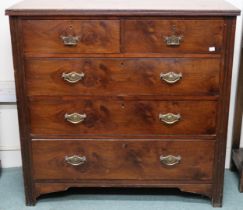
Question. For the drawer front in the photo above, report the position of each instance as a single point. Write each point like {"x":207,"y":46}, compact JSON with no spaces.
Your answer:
{"x":141,"y":159}
{"x":173,"y":36}
{"x":170,"y":76}
{"x":118,"y":117}
{"x":71,"y":36}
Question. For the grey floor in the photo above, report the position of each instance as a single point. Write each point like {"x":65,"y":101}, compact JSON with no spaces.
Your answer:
{"x":12,"y":197}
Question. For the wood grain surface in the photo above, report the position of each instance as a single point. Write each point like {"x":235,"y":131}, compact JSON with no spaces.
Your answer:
{"x":149,"y":36}
{"x":111,"y":77}
{"x":123,"y":117}
{"x":123,"y":160}
{"x":96,"y":36}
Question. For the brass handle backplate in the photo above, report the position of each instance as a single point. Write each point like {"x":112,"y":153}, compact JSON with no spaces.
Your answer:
{"x":173,"y":40}
{"x":73,"y":77}
{"x":170,"y":160}
{"x":169,"y":118}
{"x":75,"y":118}
{"x":75,"y":160}
{"x":70,"y":40}
{"x":171,"y":77}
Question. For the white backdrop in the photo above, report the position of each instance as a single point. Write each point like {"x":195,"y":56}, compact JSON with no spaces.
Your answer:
{"x":9,"y":137}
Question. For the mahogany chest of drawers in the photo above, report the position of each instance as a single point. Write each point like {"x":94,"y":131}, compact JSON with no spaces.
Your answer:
{"x":130,"y":96}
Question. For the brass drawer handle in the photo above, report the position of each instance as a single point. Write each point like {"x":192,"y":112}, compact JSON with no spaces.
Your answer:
{"x":171,"y":77}
{"x":169,"y":118}
{"x":173,"y":40}
{"x":75,"y":160}
{"x":70,"y":40}
{"x":73,"y":77}
{"x":170,"y":160}
{"x":75,"y":118}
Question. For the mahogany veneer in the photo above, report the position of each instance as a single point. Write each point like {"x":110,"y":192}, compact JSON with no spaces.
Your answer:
{"x":109,"y":76}
{"x":140,"y":160}
{"x":115,"y":117}
{"x":147,"y":35}
{"x":96,"y":36}
{"x":135,"y":96}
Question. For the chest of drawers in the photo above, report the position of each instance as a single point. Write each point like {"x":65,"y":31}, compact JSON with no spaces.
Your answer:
{"x":133,"y":96}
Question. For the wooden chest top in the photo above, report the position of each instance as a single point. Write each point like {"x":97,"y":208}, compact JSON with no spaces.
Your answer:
{"x":123,"y":7}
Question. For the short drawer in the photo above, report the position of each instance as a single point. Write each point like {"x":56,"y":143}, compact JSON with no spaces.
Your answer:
{"x":123,"y":160}
{"x":95,"y":76}
{"x":71,"y":36}
{"x":77,"y":116}
{"x":173,"y":36}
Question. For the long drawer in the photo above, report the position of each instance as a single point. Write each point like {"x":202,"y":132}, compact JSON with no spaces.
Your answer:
{"x":173,"y":36}
{"x":71,"y":36}
{"x":105,"y":76}
{"x":79,"y":116}
{"x":123,"y":160}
